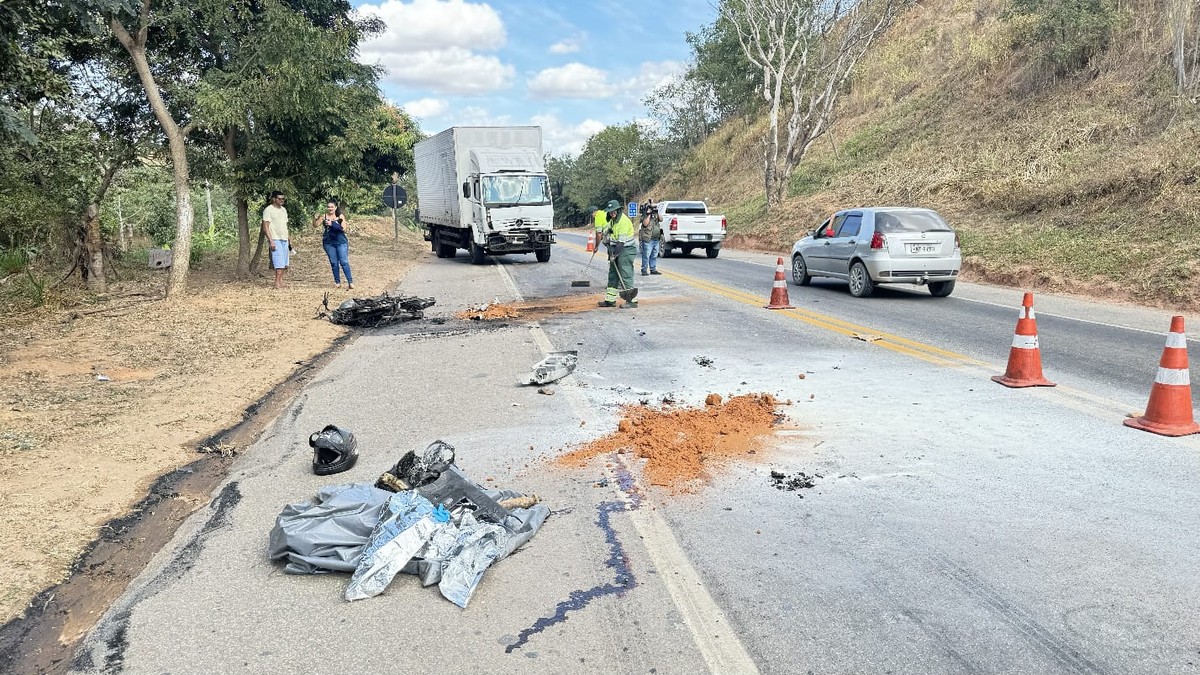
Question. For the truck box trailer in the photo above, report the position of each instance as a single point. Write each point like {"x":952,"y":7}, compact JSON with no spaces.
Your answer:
{"x":485,"y":190}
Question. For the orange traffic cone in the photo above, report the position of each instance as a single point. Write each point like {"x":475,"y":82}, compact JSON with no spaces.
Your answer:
{"x":1169,"y":411}
{"x":779,"y":296}
{"x":591,"y":246}
{"x":1025,"y":357}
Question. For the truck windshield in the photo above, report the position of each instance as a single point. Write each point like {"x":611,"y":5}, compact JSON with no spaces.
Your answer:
{"x":516,"y":190}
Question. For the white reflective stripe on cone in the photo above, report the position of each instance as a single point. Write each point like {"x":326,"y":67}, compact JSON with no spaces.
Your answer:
{"x":779,"y":284}
{"x":1176,"y":341}
{"x":1025,"y":342}
{"x":1172,"y":376}
{"x":1032,"y":314}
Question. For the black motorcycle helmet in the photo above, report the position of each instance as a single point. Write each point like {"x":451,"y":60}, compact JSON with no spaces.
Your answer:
{"x":334,"y":450}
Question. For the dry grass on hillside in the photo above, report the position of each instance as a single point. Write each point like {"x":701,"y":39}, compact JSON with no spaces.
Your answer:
{"x":1084,"y":182}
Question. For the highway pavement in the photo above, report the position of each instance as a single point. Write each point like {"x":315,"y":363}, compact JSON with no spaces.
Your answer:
{"x":955,"y":526}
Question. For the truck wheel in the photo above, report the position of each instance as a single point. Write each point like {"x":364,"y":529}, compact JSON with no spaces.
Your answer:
{"x":543,"y":254}
{"x":478,"y":257}
{"x":712,"y":251}
{"x":664,"y":250}
{"x":447,"y":250}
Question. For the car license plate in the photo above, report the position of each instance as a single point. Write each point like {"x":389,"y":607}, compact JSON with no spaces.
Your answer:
{"x":698,"y":237}
{"x":922,"y":248}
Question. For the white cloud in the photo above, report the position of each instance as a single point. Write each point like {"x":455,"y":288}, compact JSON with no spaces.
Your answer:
{"x":564,"y":138}
{"x":573,"y":80}
{"x":449,"y":71}
{"x":427,"y":107}
{"x":565,"y":47}
{"x":653,"y":74}
{"x":434,"y":45}
{"x":424,"y":25}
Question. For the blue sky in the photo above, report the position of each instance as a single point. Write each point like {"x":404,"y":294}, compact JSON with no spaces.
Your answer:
{"x":571,"y":68}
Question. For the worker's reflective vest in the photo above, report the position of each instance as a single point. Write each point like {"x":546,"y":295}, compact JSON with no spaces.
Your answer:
{"x":622,"y":230}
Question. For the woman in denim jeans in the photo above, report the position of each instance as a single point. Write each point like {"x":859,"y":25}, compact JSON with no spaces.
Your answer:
{"x":337,"y":247}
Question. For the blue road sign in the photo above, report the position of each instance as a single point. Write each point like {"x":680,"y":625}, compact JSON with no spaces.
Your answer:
{"x":633,"y":209}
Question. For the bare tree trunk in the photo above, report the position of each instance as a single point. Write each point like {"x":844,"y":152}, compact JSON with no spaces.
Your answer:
{"x":262,"y":238}
{"x":93,"y":250}
{"x":136,"y":46}
{"x":243,"y":210}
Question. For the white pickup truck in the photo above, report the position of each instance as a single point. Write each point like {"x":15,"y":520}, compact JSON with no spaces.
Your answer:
{"x":688,"y":226}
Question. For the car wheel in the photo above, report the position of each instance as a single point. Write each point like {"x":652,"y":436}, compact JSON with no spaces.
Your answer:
{"x":712,"y":251}
{"x":941,"y":289}
{"x":861,"y":285}
{"x":800,"y":275}
{"x":478,"y":257}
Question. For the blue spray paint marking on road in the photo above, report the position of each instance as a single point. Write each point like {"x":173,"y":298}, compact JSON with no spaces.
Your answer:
{"x":627,"y":483}
{"x":618,"y":561}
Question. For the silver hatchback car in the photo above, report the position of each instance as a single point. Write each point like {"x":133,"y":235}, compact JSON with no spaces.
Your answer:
{"x":881,"y":245}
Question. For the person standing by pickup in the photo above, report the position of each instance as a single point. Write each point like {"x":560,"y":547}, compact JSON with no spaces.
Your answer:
{"x":619,"y":239}
{"x":649,"y":233}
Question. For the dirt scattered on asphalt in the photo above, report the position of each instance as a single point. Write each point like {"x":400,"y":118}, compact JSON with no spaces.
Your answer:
{"x":540,"y":308}
{"x":794,"y":482}
{"x":703,"y":361}
{"x":490,"y":312}
{"x":683,"y":446}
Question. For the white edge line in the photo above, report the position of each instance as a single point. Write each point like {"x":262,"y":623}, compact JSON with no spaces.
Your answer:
{"x":718,"y":644}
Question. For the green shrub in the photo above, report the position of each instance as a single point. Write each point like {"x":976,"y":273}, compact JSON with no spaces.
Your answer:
{"x":12,"y":261}
{"x":811,"y":177}
{"x":1066,"y":34}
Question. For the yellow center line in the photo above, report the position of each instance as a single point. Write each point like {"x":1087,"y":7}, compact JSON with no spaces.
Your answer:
{"x":889,"y":341}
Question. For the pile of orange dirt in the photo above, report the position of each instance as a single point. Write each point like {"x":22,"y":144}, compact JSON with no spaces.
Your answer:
{"x":682,"y":445}
{"x":492,"y":312}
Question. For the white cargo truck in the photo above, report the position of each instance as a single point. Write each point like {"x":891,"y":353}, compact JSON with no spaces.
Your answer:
{"x":485,"y":190}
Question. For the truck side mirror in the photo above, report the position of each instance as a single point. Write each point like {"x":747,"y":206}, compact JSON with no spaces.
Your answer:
{"x":467,"y":190}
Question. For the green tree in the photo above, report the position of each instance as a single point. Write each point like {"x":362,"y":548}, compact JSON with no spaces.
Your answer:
{"x":619,"y":162}
{"x":291,"y":107}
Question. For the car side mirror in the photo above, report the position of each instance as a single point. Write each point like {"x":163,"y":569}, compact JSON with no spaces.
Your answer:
{"x":467,"y":190}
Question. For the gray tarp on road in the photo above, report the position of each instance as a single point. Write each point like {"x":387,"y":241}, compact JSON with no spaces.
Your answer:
{"x":328,"y":533}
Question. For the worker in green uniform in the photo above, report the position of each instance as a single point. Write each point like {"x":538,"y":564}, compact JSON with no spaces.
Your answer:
{"x":621,"y":241}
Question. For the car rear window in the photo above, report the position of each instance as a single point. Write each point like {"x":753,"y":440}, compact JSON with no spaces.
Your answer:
{"x":686,"y":208}
{"x":910,"y":221}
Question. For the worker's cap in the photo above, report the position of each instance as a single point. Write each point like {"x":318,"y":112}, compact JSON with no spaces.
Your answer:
{"x":613,"y":205}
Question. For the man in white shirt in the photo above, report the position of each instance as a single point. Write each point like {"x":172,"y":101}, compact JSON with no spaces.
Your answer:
{"x":275,"y":227}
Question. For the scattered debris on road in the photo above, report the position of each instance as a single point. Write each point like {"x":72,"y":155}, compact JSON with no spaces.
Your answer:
{"x":221,"y":449}
{"x":683,"y":445}
{"x":423,"y":517}
{"x":797,"y":481}
{"x":546,"y":390}
{"x":553,"y":368}
{"x":489,"y":311}
{"x":703,"y":361}
{"x":867,"y":338}
{"x":378,"y":311}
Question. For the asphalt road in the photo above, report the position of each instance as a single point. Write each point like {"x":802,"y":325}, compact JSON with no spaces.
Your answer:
{"x":957,"y":526}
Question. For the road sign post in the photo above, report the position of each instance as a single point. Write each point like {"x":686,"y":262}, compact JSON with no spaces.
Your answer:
{"x":394,"y":197}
